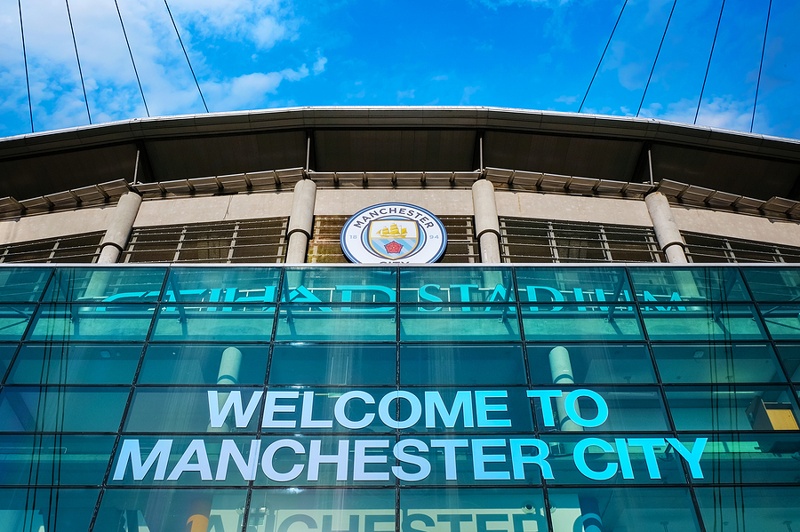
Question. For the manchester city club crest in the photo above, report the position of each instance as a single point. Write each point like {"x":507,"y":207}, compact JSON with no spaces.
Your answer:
{"x":393,"y":233}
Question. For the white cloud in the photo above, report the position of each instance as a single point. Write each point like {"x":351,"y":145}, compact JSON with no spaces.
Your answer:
{"x":319,"y":65}
{"x":723,"y":112}
{"x":406,"y":95}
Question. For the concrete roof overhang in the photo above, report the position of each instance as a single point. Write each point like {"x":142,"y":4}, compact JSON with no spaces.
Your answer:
{"x":399,"y":139}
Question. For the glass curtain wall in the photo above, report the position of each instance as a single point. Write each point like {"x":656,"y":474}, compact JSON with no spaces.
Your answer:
{"x":266,"y":399}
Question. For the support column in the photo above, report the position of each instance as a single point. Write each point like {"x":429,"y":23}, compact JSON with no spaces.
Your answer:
{"x":301,"y":221}
{"x":667,"y":233}
{"x":116,"y":237}
{"x":487,"y":225}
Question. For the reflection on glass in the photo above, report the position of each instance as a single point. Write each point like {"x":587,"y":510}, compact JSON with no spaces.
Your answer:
{"x":13,"y":321}
{"x":667,"y":284}
{"x":236,"y":323}
{"x":783,"y":321}
{"x":221,"y":364}
{"x":780,"y":285}
{"x":751,"y":458}
{"x":749,"y":508}
{"x":71,"y":409}
{"x":461,"y":365}
{"x":6,"y":354}
{"x":54,"y":459}
{"x":357,"y":323}
{"x":590,"y":364}
{"x":656,"y":509}
{"x":58,"y":363}
{"x":91,"y":322}
{"x":764,"y":408}
{"x":456,"y":285}
{"x":21,"y":284}
{"x":790,"y":356}
{"x":222,"y":285}
{"x":702,"y":322}
{"x":333,"y":364}
{"x":36,"y":509}
{"x":717,"y":363}
{"x":471,"y":323}
{"x":339,"y":285}
{"x":118,"y":284}
{"x":171,"y":510}
{"x":554,"y":285}
{"x":580,"y":322}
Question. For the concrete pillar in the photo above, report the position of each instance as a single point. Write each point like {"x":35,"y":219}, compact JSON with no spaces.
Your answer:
{"x":487,"y":225}
{"x":667,"y":233}
{"x":301,"y":221}
{"x":116,"y":237}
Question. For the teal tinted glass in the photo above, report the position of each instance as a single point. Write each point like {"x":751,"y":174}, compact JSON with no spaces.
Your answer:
{"x":461,"y":365}
{"x":750,"y":458}
{"x":56,"y":409}
{"x":6,"y":354}
{"x":53,"y":459}
{"x":590,"y":364}
{"x":688,"y":284}
{"x":623,"y":509}
{"x":449,"y":411}
{"x":778,"y":284}
{"x":62,"y":323}
{"x":14,"y":321}
{"x":36,"y":509}
{"x":486,"y":509}
{"x":761,"y":408}
{"x":571,"y":322}
{"x":221,"y":364}
{"x":617,"y":409}
{"x":333,"y":364}
{"x":353,"y":323}
{"x":235,"y":323}
{"x":222,"y":285}
{"x":341,"y":285}
{"x":611,"y":459}
{"x":469,"y":323}
{"x":717,"y":363}
{"x":456,"y":285}
{"x":22,"y":285}
{"x":554,"y":285}
{"x":790,"y":356}
{"x":118,"y":284}
{"x":749,"y":508}
{"x":194,"y":410}
{"x":783,"y":321}
{"x":171,"y":509}
{"x":703,"y":322}
{"x":57,"y":363}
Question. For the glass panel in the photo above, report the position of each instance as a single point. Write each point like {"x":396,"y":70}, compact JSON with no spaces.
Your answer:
{"x":553,"y":285}
{"x":627,"y":409}
{"x":790,"y":356}
{"x":59,"y":460}
{"x":571,"y":322}
{"x":222,"y":285}
{"x":783,"y":321}
{"x":464,"y":324}
{"x":14,"y":321}
{"x":357,"y":323}
{"x":105,"y":284}
{"x":50,"y":510}
{"x":194,"y":410}
{"x":590,"y":364}
{"x":652,"y":509}
{"x":703,"y":322}
{"x":774,"y":284}
{"x":22,"y":285}
{"x":343,"y":285}
{"x":634,"y":459}
{"x":456,"y":285}
{"x":236,"y":323}
{"x":60,"y":323}
{"x":58,"y":363}
{"x":462,"y":365}
{"x":334,"y":364}
{"x":766,"y":408}
{"x":321,"y":509}
{"x":168,"y":509}
{"x":6,"y":354}
{"x":468,"y":510}
{"x":61,"y":409}
{"x":688,"y":284}
{"x":717,"y":363}
{"x":204,"y":364}
{"x":738,"y":508}
{"x":751,"y":458}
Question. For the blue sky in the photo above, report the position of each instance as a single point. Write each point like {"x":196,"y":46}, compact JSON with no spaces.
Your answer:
{"x":534,"y":54}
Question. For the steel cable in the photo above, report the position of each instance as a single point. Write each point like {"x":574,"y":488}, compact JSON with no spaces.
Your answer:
{"x":78,"y":59}
{"x":186,"y":55}
{"x":658,"y":53}
{"x":596,"y":70}
{"x":25,"y":58}
{"x":761,"y":65}
{"x":708,"y":66}
{"x":130,"y":52}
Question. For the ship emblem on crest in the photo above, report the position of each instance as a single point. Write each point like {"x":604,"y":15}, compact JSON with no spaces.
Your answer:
{"x":393,"y":239}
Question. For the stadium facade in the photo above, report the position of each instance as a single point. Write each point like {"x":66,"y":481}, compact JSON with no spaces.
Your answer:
{"x":609,"y":339}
